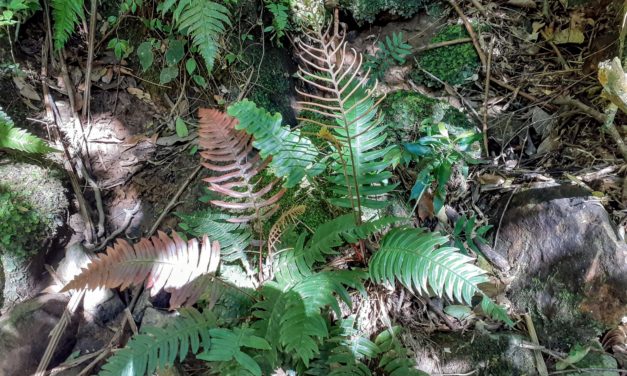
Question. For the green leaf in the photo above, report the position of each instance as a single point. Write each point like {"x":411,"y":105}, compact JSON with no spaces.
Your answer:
{"x":190,"y":66}
{"x":460,"y":312}
{"x":66,"y":15}
{"x":575,"y":355}
{"x":19,"y":139}
{"x":145,"y":55}
{"x":175,"y":52}
{"x":181,"y":128}
{"x":168,"y":74}
{"x":199,"y":80}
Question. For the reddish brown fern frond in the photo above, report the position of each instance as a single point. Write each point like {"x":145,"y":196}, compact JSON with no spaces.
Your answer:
{"x":230,"y":155}
{"x":287,"y":218}
{"x":160,"y":262}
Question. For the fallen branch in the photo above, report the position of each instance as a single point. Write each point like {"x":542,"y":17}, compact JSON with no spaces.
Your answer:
{"x":443,"y":44}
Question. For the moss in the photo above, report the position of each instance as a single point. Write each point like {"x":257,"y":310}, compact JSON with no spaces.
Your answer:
{"x":556,"y":313}
{"x":367,"y":10}
{"x":32,"y":203}
{"x":273,"y":88}
{"x":454,"y":64}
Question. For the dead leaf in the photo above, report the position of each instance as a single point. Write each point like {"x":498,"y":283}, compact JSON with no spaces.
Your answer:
{"x":26,"y":90}
{"x":107,"y":77}
{"x":569,"y":35}
{"x":491,"y":179}
{"x":612,"y":77}
{"x":425,"y":206}
{"x":96,"y":74}
{"x":139,"y":94}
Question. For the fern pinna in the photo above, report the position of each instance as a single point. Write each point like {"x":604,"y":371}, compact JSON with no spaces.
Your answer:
{"x":229,"y":154}
{"x":66,"y":15}
{"x":204,"y":21}
{"x":18,"y":139}
{"x":160,"y":262}
{"x":359,"y":176}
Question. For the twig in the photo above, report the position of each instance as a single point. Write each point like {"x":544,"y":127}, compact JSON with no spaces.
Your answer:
{"x":480,"y":7}
{"x":173,"y":201}
{"x":443,"y":44}
{"x":98,"y":197}
{"x":609,"y":126}
{"x":471,"y":32}
{"x":485,"y":101}
{"x":90,"y":59}
{"x":127,"y":221}
{"x":565,"y":101}
{"x":540,"y":365}
{"x":498,"y":229}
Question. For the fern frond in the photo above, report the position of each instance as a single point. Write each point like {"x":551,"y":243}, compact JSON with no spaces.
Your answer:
{"x":394,"y":357}
{"x":420,"y":262}
{"x":19,"y":139}
{"x":287,"y":218}
{"x":293,"y":155}
{"x":294,"y":311}
{"x":229,"y":154}
{"x":204,"y":21}
{"x":359,"y":178}
{"x":291,"y":265}
{"x":157,"y":348}
{"x":234,"y":238}
{"x":66,"y":14}
{"x":159,"y":262}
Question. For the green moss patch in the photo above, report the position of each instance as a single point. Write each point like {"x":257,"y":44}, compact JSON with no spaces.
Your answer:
{"x":455,"y":64}
{"x":367,"y":10}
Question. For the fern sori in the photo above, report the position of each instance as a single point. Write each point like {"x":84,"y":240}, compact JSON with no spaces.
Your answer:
{"x":205,"y":21}
{"x":293,"y":155}
{"x":66,"y":15}
{"x":420,"y":262}
{"x":19,"y":139}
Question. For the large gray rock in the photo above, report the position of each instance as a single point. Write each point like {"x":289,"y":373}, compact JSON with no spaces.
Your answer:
{"x":568,"y":265}
{"x":24,"y":334}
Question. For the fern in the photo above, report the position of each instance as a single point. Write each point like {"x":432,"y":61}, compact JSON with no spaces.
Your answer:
{"x":293,"y":310}
{"x":359,"y":178}
{"x":394,"y":357}
{"x":392,"y":52}
{"x":157,"y":348}
{"x":234,"y":238}
{"x":66,"y":15}
{"x":293,"y":155}
{"x":205,"y":21}
{"x":19,"y":139}
{"x":286,"y":219}
{"x":280,"y":20}
{"x":412,"y":257}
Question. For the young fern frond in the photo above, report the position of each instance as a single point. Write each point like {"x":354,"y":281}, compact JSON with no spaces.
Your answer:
{"x":204,"y":21}
{"x":229,"y":154}
{"x":156,"y":348}
{"x":287,"y":218}
{"x":293,"y":155}
{"x":159,"y":262}
{"x":359,"y":178}
{"x":19,"y":139}
{"x":66,"y":15}
{"x":420,"y":262}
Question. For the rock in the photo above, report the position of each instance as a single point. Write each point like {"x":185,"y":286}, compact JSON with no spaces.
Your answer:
{"x":24,"y":334}
{"x":489,"y":354}
{"x":157,"y":318}
{"x":33,"y":205}
{"x":569,"y":268}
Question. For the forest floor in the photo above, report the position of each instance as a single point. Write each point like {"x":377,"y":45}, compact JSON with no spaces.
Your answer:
{"x":533,"y":93}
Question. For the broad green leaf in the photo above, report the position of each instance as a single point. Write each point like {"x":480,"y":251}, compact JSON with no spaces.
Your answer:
{"x":168,"y":74}
{"x":145,"y":55}
{"x":181,"y":128}
{"x":175,"y":52}
{"x":190,"y":66}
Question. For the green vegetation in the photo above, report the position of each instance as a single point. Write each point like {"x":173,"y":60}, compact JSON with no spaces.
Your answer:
{"x":22,"y":228}
{"x":19,"y":139}
{"x":393,"y":51}
{"x":367,"y":10}
{"x":454,"y":64}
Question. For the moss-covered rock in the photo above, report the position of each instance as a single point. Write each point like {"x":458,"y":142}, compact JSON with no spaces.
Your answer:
{"x":33,"y":205}
{"x":455,"y":64}
{"x":367,"y":10}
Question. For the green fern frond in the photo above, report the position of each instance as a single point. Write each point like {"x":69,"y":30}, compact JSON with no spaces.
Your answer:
{"x":66,"y":15}
{"x":295,"y":311}
{"x":157,"y":348}
{"x":234,"y":238}
{"x":293,"y":155}
{"x":19,"y":139}
{"x":205,"y":21}
{"x":362,"y":153}
{"x":291,"y":266}
{"x":418,"y":260}
{"x":226,"y":345}
{"x":394,"y":357}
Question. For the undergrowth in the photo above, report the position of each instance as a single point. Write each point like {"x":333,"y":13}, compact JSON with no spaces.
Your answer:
{"x":22,"y":227}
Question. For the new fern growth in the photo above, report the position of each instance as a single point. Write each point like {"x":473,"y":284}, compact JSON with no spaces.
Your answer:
{"x":393,"y":52}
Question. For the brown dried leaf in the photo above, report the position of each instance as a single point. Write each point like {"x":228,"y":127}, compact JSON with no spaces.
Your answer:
{"x":160,"y":263}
